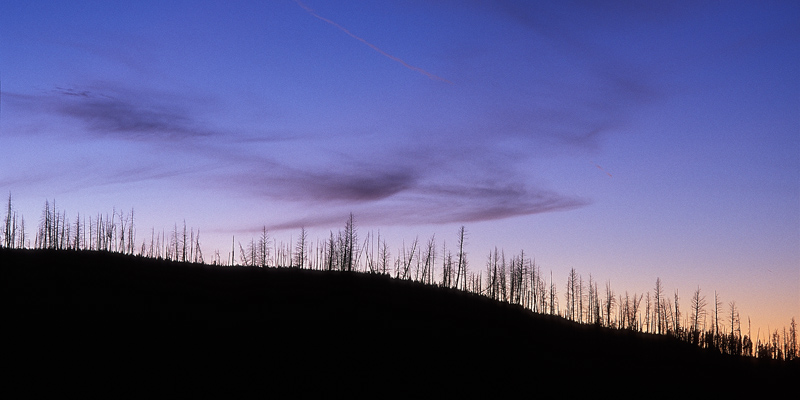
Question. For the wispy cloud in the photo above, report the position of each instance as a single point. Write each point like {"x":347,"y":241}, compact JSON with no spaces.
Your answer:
{"x":127,"y":115}
{"x":114,"y":112}
{"x":470,"y":202}
{"x":108,"y":135}
{"x":393,"y":195}
{"x":334,"y":185}
{"x":442,"y":205}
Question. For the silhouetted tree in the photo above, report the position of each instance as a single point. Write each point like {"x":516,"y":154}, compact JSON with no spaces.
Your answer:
{"x":198,"y":254}
{"x":369,"y":251}
{"x":300,"y":249}
{"x":63,"y":240}
{"x":76,"y":244}
{"x":263,"y":247}
{"x":580,"y":299}
{"x":503,"y":282}
{"x":677,"y":316}
{"x":609,"y":303}
{"x":417,"y":263}
{"x":698,"y":313}
{"x":447,"y":266}
{"x":131,"y":234}
{"x":535,"y":287}
{"x":385,"y":257}
{"x":647,"y":305}
{"x":595,"y":315}
{"x":461,"y":273}
{"x":8,"y":231}
{"x":512,"y":281}
{"x":184,"y":239}
{"x":244,"y":255}
{"x":62,"y":231}
{"x":233,"y":251}
{"x":429,"y":258}
{"x":570,"y":294}
{"x":776,"y":350}
{"x":786,"y":345}
{"x":736,"y":326}
{"x":623,"y":313}
{"x":633,"y":310}
{"x":111,"y":231}
{"x":349,"y":244}
{"x":491,"y":275}
{"x":53,"y":228}
{"x":331,"y":253}
{"x":407,"y":259}
{"x":542,"y":291}
{"x":553,"y":296}
{"x":658,"y":295}
{"x":517,"y":279}
{"x":21,"y":236}
{"x":122,"y":232}
{"x":43,"y":236}
{"x":793,"y":348}
{"x":717,"y":305}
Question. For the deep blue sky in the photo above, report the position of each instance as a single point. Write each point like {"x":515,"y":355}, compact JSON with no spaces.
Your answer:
{"x":629,"y":140}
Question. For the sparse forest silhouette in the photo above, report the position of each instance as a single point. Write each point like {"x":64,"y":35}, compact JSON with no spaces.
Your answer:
{"x":515,"y":279}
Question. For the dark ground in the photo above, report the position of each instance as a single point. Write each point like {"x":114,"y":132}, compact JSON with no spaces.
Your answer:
{"x":85,"y":322}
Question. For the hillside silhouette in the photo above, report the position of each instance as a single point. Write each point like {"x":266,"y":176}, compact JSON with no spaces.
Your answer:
{"x":88,"y":312}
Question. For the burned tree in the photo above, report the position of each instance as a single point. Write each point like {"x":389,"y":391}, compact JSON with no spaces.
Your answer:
{"x":461,"y":273}
{"x":348,"y":248}
{"x":301,"y":248}
{"x":698,"y":314}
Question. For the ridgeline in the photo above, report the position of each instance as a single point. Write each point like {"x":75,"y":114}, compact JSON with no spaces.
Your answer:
{"x":73,"y":314}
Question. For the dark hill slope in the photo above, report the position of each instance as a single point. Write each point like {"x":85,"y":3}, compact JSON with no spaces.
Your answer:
{"x":152,"y":318}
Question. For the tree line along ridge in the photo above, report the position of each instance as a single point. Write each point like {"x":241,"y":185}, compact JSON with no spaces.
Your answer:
{"x":514,"y":279}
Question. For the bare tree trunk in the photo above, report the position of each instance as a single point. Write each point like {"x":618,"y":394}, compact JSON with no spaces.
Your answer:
{"x":461,"y":273}
{"x":300,"y":249}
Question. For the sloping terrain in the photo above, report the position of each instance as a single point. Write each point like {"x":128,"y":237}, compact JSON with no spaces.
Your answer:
{"x":74,"y":314}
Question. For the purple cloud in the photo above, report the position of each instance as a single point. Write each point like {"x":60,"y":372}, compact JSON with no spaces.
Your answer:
{"x":443,"y":205}
{"x":115,"y":112}
{"x":395,"y":195}
{"x":128,"y":116}
{"x":335,"y":185}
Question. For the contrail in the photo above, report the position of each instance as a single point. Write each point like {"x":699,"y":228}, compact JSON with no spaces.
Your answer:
{"x":376,"y":48}
{"x":601,"y":169}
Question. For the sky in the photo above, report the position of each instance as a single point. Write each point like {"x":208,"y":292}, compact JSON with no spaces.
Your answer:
{"x":628,"y":140}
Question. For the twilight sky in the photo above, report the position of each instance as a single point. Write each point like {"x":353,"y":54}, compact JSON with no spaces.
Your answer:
{"x":629,"y":140}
